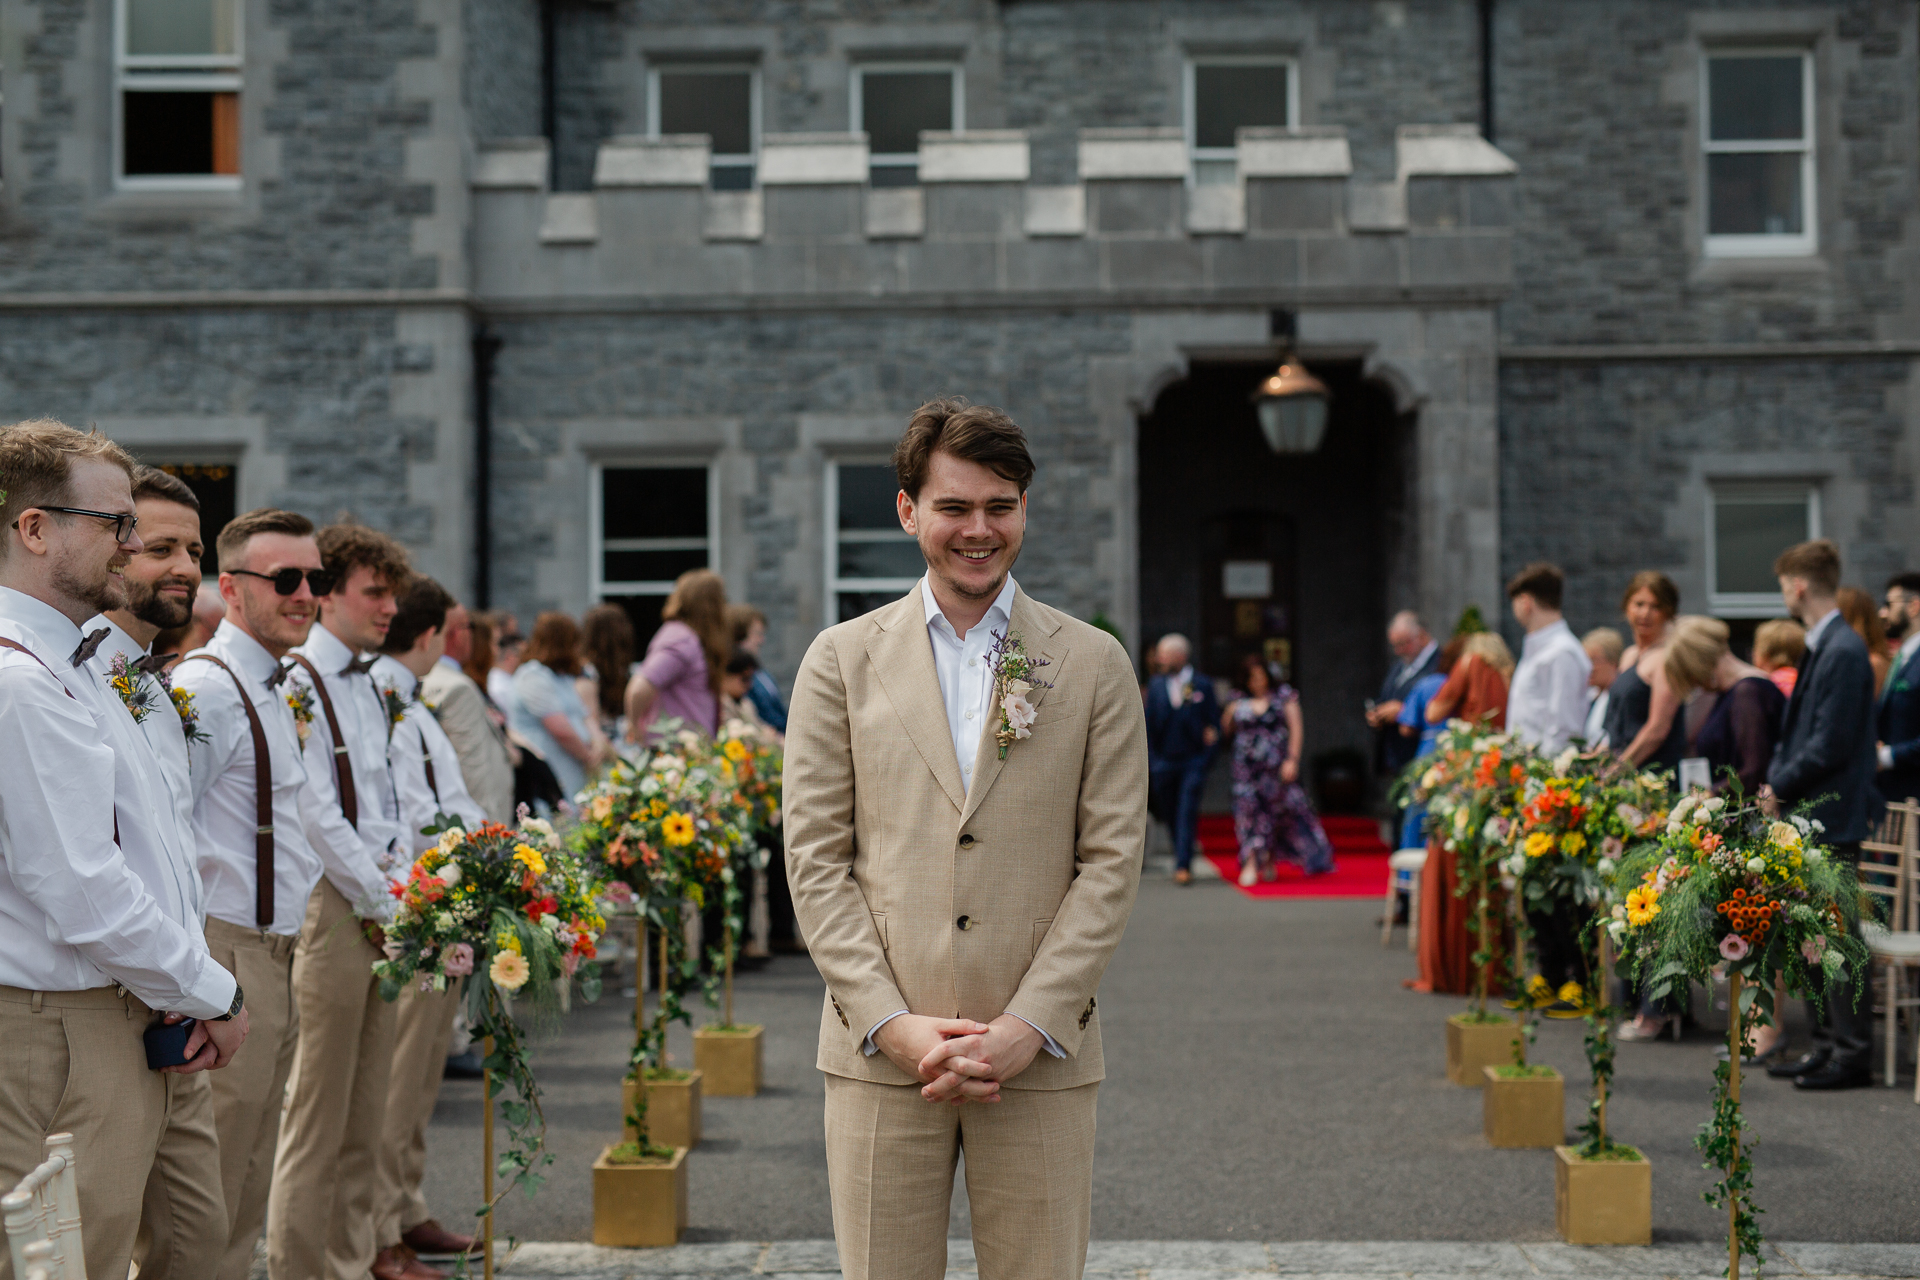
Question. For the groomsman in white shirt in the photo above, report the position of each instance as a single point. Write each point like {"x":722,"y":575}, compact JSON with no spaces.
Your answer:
{"x":321,"y":1216}
{"x":183,"y":1225}
{"x":249,"y":794}
{"x":102,"y":927}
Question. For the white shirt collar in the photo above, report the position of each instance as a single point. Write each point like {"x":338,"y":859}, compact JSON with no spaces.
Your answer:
{"x":1908,"y":645}
{"x":1549,"y":634}
{"x":54,"y":628}
{"x":1420,"y":659}
{"x":1183,"y":676}
{"x":404,"y":681}
{"x":117,"y":641}
{"x":328,"y":651}
{"x":1001,"y":610}
{"x":1818,"y":630}
{"x":244,"y":651}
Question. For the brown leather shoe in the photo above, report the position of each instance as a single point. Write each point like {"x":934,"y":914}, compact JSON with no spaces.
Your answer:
{"x":432,"y":1240}
{"x":1182,"y":876}
{"x":396,"y":1262}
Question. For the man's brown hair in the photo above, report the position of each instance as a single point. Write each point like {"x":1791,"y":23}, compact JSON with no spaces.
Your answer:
{"x":345,"y":547}
{"x":231,"y":545}
{"x":972,"y":432}
{"x":152,"y":482}
{"x":423,"y":607}
{"x":1543,"y":581}
{"x":36,"y":465}
{"x":1817,"y":561}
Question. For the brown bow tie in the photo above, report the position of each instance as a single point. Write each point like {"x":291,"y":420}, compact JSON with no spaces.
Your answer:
{"x":154,"y":663}
{"x":360,"y":666}
{"x":90,"y":646}
{"x":279,"y":676}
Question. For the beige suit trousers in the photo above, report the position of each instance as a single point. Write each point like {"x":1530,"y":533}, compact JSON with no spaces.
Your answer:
{"x":890,"y":1162}
{"x":419,"y":1064}
{"x":183,"y":1219}
{"x":250,"y":1092}
{"x":76,"y":1064}
{"x":320,"y":1213}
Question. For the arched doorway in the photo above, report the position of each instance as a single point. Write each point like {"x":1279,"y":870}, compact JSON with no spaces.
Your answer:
{"x":1297,"y":557}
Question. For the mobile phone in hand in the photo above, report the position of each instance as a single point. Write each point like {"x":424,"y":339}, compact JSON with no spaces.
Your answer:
{"x":167,"y":1043}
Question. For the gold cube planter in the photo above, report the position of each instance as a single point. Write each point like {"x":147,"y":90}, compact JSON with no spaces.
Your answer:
{"x":636,"y":1205}
{"x":1602,"y":1201}
{"x":673,"y":1111}
{"x":1524,"y":1111}
{"x":732,"y":1061}
{"x":1474,"y":1045}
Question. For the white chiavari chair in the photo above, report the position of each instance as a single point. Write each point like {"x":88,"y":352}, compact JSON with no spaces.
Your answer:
{"x":1894,"y":940}
{"x":43,"y":1217}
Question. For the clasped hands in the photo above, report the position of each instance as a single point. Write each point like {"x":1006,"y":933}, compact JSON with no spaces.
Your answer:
{"x":957,"y":1059}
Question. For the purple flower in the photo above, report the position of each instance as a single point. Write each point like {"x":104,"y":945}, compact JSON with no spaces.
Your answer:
{"x":1734,"y":947}
{"x":459,"y":960}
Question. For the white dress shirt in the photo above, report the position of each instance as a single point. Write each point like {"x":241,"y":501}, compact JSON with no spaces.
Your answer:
{"x":79,"y":911}
{"x":417,"y":737}
{"x":1179,"y":685}
{"x":1547,"y":704}
{"x":362,"y":860}
{"x":1818,"y":630}
{"x":966,"y":687}
{"x":1598,"y":700}
{"x":1883,"y":752}
{"x":224,"y":803}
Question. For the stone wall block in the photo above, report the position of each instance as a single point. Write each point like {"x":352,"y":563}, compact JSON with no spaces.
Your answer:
{"x":1046,"y":266}
{"x":1294,"y":204}
{"x":673,"y":214}
{"x":1138,"y":264}
{"x":895,"y":213}
{"x":811,"y":159}
{"x":1446,"y":202}
{"x":973,"y":210}
{"x":780,"y":268}
{"x":1217,"y":209}
{"x":675,"y":160}
{"x":1366,"y":262}
{"x":865,"y":269}
{"x":1135,"y":207}
{"x":814,"y":213}
{"x":1120,"y":154}
{"x":949,"y":268}
{"x":1055,"y":211}
{"x":571,"y":218}
{"x":733,"y":215}
{"x":981,"y":155}
{"x":509,"y":164}
{"x":1484,"y":259}
{"x":1253,"y":263}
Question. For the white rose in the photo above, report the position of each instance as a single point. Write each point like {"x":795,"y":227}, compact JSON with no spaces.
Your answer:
{"x":1712,"y":804}
{"x":1756,"y":865}
{"x":449,"y":874}
{"x":551,"y":923}
{"x":1605,"y":866}
{"x":1618,"y":928}
{"x":1619,"y":913}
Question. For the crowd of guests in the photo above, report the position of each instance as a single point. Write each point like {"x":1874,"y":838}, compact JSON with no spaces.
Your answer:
{"x":1826,"y":711}
{"x":212,"y":791}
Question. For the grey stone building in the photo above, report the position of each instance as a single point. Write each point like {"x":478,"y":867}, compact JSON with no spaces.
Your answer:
{"x":574,"y":295}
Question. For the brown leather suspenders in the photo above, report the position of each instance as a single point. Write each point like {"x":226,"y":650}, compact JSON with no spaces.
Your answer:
{"x":20,"y":648}
{"x":262,"y":798}
{"x":342,"y":763}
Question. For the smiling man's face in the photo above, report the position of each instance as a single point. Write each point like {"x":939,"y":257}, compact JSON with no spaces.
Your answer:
{"x":88,"y":566}
{"x":162,"y":579}
{"x":969,"y":523}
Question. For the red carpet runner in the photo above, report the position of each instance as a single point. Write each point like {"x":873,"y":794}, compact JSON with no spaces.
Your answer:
{"x":1359,"y":860}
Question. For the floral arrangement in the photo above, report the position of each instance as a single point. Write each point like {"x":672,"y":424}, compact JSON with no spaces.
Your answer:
{"x":395,"y":704}
{"x":1729,"y":884}
{"x":137,"y":693}
{"x":758,"y":767}
{"x":187,"y":709}
{"x":1014,"y":677}
{"x":300,"y":702}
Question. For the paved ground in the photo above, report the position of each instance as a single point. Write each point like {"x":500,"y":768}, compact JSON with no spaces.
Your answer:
{"x":1268,"y":1080}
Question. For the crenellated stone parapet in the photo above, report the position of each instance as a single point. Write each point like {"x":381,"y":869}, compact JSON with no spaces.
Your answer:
{"x":1296,"y":224}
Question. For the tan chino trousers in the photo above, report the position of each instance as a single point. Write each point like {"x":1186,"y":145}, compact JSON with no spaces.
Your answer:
{"x":890,"y":1161}
{"x":183,"y":1218}
{"x":320,"y":1213}
{"x":76,"y":1064}
{"x":419,"y":1064}
{"x":251,"y":1091}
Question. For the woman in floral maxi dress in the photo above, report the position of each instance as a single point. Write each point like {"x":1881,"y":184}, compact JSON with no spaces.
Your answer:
{"x":1272,"y":816}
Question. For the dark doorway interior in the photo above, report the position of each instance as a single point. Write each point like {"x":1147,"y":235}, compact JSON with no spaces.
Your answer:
{"x":1293,"y":557}
{"x":217,"y":487}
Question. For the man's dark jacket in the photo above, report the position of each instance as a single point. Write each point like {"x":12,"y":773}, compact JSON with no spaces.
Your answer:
{"x":1826,"y":743}
{"x":1393,"y":749}
{"x":1174,"y":735}
{"x":1899,"y":727}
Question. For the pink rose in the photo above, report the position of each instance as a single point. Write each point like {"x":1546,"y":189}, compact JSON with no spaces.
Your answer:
{"x":569,"y":962}
{"x":1020,"y":714}
{"x":1734,"y":947}
{"x":459,"y":960}
{"x":619,"y":893}
{"x":1612,"y":847}
{"x":1814,"y":948}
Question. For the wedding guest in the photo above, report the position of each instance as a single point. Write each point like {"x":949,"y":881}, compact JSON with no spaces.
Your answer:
{"x":1272,"y":816}
{"x":1739,"y":734}
{"x":320,"y":1213}
{"x":1414,"y":724}
{"x":1476,"y":688}
{"x":1604,"y":647}
{"x":1547,"y":704}
{"x":750,"y":633}
{"x":607,"y":645}
{"x":507,"y":646}
{"x":1183,"y":719}
{"x":1826,"y":756}
{"x":428,"y":777}
{"x":1857,"y":607}
{"x":547,"y":709}
{"x":477,"y":732}
{"x":1415,"y":653}
{"x":1778,"y":646}
{"x":1643,"y":715}
{"x":1897,"y":723}
{"x":680,"y":677}
{"x":251,"y":736}
{"x":103,"y":931}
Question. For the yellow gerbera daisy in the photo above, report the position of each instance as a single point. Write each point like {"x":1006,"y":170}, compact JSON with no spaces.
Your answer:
{"x":1572,"y":843}
{"x":530,"y":856}
{"x":678,"y":829}
{"x":1643,"y":905}
{"x":735,"y":750}
{"x":1539,"y":844}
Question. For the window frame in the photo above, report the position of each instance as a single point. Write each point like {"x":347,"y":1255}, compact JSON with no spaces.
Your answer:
{"x":715,"y":160}
{"x":186,"y":73}
{"x":1751,"y":604}
{"x":830,"y":504}
{"x":1806,"y":242}
{"x":1189,"y":89}
{"x":598,"y":587}
{"x":857,"y":105}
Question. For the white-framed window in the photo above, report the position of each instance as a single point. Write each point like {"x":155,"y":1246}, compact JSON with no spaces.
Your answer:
{"x":1226,"y":93}
{"x":1757,"y":144}
{"x":177,"y":81}
{"x":649,"y":523}
{"x":1749,"y":523}
{"x":721,"y":100}
{"x":894,"y":103}
{"x":871,"y":560}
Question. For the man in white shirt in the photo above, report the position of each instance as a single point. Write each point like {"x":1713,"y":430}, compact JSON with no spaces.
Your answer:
{"x":427,"y":772}
{"x":255,"y":861}
{"x":183,"y":1224}
{"x":98,"y":918}
{"x":321,"y":1214}
{"x":1603,"y":646}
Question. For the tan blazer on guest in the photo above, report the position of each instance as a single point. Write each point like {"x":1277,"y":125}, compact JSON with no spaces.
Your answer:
{"x":887,"y":850}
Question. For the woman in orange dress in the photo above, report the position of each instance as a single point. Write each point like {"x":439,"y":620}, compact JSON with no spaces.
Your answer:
{"x":1475,"y":692}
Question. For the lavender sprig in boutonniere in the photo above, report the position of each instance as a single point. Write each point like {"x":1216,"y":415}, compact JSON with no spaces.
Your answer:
{"x":1013,"y":679}
{"x":136,"y":691}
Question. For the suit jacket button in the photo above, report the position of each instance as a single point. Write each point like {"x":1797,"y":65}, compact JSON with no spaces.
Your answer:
{"x":966,"y":841}
{"x":964,"y":923}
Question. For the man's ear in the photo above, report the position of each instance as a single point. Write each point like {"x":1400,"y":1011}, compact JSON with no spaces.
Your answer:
{"x":903,"y":507}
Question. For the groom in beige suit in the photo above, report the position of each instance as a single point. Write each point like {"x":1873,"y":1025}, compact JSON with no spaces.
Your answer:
{"x":963,"y":905}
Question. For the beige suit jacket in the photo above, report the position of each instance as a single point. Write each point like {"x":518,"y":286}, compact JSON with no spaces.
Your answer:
{"x":887,"y":850}
{"x":485,"y":767}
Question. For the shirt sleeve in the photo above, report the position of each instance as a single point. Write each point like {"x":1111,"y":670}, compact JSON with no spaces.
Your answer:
{"x":537,"y":693}
{"x":350,"y":861}
{"x":669,"y":663}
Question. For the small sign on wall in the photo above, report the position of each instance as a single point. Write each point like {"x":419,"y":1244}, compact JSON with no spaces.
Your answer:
{"x":1246,"y":579}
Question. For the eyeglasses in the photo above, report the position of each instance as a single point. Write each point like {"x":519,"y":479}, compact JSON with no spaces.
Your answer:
{"x":287,"y":581}
{"x":122,"y":523}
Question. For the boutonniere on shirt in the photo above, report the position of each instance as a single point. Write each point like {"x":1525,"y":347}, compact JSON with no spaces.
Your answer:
{"x":139,"y":694}
{"x":184,"y":707}
{"x":300,"y":702}
{"x":395,"y":704}
{"x":1013,"y":679}
{"x":1195,"y":697}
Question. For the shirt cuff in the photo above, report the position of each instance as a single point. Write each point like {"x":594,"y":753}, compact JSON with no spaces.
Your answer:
{"x":1885,"y":753}
{"x":1052,"y":1048}
{"x":870,"y":1048}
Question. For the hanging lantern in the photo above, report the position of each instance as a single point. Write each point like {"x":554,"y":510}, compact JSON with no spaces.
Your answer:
{"x":1292,"y":405}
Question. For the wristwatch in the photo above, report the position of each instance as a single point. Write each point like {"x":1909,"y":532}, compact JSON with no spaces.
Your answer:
{"x":239,"y":998}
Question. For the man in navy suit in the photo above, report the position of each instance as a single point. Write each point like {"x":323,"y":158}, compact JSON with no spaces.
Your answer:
{"x":1416,"y":654}
{"x":1826,"y":748}
{"x":1183,"y":728}
{"x":1898,"y":722}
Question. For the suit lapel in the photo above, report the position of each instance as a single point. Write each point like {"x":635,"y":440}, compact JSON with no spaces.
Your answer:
{"x":1040,"y":637}
{"x":902,"y":657}
{"x":1805,"y":678}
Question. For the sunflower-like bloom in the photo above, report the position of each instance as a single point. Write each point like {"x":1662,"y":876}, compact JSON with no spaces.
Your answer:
{"x":735,"y":750}
{"x":530,"y":857}
{"x":678,"y":829}
{"x":509,"y":971}
{"x":1539,"y":844}
{"x":1643,"y":905}
{"x":1572,"y":843}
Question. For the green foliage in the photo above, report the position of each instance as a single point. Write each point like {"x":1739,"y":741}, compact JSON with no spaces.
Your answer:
{"x":1719,"y":1140}
{"x":642,"y":1152}
{"x":1521,"y":1071}
{"x":1470,"y":621}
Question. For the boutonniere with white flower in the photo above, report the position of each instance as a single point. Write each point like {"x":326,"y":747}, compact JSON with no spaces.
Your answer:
{"x":1013,"y":679}
{"x":300,"y":702}
{"x":139,"y":694}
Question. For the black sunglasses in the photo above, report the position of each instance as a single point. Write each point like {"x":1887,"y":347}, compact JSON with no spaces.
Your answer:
{"x":122,"y":524}
{"x":287,"y":581}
